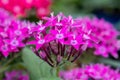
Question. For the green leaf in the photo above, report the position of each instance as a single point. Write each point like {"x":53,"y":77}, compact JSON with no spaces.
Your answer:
{"x":111,"y":62}
{"x":37,"y":67}
{"x":53,"y":78}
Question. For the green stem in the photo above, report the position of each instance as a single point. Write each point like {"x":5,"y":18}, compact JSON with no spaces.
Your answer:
{"x":5,"y":66}
{"x":8,"y":62}
{"x":57,"y":71}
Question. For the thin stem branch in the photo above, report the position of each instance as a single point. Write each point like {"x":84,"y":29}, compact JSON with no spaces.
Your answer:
{"x":76,"y":57}
{"x":69,"y":55}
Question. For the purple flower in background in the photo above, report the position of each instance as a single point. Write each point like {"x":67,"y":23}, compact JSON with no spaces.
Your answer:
{"x":16,"y":75}
{"x":91,"y":72}
{"x":61,"y":38}
{"x":107,"y":36}
{"x":13,"y":33}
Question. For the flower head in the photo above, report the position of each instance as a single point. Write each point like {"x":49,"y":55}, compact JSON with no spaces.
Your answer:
{"x":107,"y":36}
{"x":16,"y":75}
{"x":61,"y":37}
{"x":13,"y":34}
{"x":91,"y":72}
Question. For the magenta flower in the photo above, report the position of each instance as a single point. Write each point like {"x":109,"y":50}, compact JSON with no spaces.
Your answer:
{"x":91,"y":72}
{"x":16,"y":75}
{"x":13,"y":34}
{"x":60,"y":38}
{"x":107,"y":36}
{"x":21,"y":7}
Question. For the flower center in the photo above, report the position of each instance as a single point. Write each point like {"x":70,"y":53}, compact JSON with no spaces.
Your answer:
{"x":41,"y":41}
{"x":118,"y":44}
{"x":5,"y":1}
{"x":59,"y":36}
{"x":3,"y":34}
{"x":41,"y":11}
{"x":4,"y":48}
{"x":73,"y":42}
{"x":29,"y":1}
{"x":14,"y":43}
{"x":16,"y":9}
{"x":86,"y":36}
{"x":58,"y":24}
{"x":18,"y":32}
{"x":42,"y":28}
{"x":102,"y":49}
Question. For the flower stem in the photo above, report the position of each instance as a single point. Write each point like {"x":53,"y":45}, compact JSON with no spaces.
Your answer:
{"x":57,"y":71}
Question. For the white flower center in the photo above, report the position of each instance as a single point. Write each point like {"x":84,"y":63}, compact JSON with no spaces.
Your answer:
{"x":5,"y":1}
{"x":118,"y":44}
{"x":59,"y":36}
{"x":58,"y":24}
{"x":86,"y":36}
{"x":29,"y":1}
{"x":3,"y":34}
{"x":74,"y":42}
{"x":18,"y":32}
{"x":41,"y":11}
{"x":42,"y":28}
{"x":14,"y":43}
{"x":16,"y":9}
{"x":106,"y":33}
{"x":102,"y":49}
{"x":4,"y":48}
{"x":42,"y":41}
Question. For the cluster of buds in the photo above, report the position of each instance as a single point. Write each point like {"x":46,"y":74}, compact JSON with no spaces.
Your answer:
{"x":107,"y":35}
{"x":21,"y":7}
{"x":13,"y":34}
{"x":16,"y":75}
{"x":91,"y":72}
{"x":61,"y":38}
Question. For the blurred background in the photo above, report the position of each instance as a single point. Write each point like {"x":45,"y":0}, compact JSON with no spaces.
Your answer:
{"x":107,"y":9}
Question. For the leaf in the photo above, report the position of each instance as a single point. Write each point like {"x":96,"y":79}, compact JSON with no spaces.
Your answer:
{"x":53,"y":78}
{"x":3,"y":69}
{"x":37,"y":67}
{"x":111,"y":62}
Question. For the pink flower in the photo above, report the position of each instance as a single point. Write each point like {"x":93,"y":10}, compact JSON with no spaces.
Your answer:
{"x":92,"y":72}
{"x":16,"y":75}
{"x":13,"y":34}
{"x":20,"y":8}
{"x":61,"y":36}
{"x":106,"y":35}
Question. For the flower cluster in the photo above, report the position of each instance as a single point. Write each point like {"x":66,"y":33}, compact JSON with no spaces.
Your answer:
{"x":20,"y":7}
{"x":61,"y":38}
{"x":107,"y":35}
{"x":91,"y":72}
{"x":16,"y":75}
{"x":4,"y":14}
{"x":13,"y":34}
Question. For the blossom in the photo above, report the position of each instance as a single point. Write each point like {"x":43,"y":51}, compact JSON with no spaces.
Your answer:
{"x":21,"y":7}
{"x":91,"y":72}
{"x":16,"y":75}
{"x":107,"y":36}
{"x":60,"y":38}
{"x":13,"y":34}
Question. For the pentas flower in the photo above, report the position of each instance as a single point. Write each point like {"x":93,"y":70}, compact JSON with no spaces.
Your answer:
{"x":60,"y":38}
{"x":16,"y":75}
{"x":4,"y":14}
{"x":107,"y":35}
{"x":13,"y":35}
{"x":21,"y":7}
{"x":91,"y":72}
